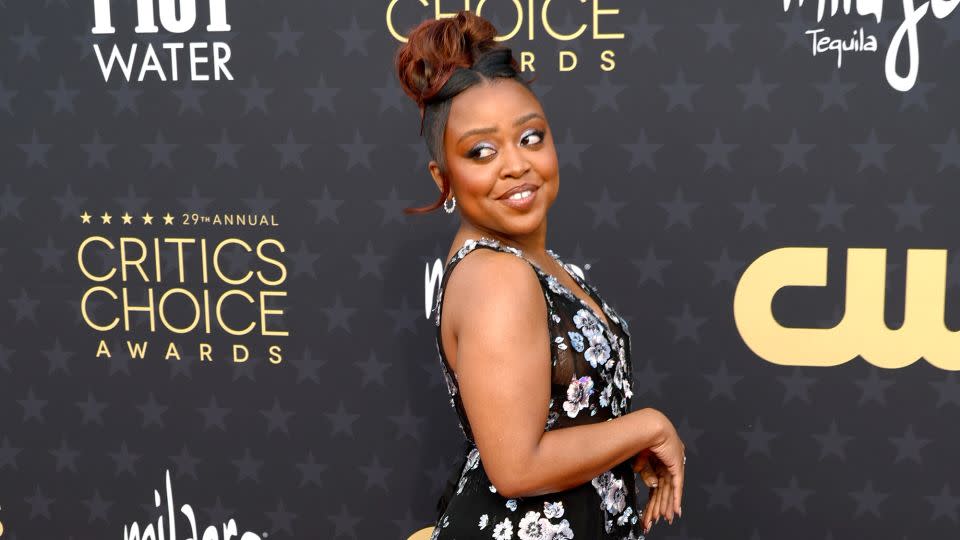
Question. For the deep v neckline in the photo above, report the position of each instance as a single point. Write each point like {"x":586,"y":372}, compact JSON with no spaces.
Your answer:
{"x":602,"y":320}
{"x":605,"y":318}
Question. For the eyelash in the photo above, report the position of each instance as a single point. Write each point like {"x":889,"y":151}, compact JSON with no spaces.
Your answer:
{"x":475,"y":152}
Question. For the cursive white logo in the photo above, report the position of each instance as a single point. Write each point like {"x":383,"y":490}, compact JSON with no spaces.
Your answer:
{"x":134,"y":532}
{"x":912,"y":15}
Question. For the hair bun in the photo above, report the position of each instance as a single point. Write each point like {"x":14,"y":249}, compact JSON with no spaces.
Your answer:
{"x":437,"y":47}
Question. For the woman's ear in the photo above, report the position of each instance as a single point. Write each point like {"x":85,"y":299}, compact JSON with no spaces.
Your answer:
{"x":435,"y":173}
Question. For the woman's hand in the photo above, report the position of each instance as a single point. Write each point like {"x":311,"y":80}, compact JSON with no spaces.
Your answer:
{"x":662,"y":469}
{"x":656,"y":477}
{"x":643,"y":464}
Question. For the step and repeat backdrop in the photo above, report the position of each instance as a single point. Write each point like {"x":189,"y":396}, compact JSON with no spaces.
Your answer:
{"x":215,"y":317}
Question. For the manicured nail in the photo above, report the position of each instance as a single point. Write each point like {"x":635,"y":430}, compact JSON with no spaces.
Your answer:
{"x":680,"y":511}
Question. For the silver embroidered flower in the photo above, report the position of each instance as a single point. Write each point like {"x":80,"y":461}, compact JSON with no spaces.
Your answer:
{"x":578,"y":395}
{"x":576,"y":339}
{"x":588,"y":323}
{"x":605,"y":395}
{"x":598,"y":353}
{"x":484,"y":519}
{"x":534,"y":527}
{"x":562,"y":531}
{"x":512,"y":505}
{"x":473,"y":458}
{"x":552,"y":418}
{"x":553,"y":510}
{"x":611,"y":491}
{"x":503,"y":530}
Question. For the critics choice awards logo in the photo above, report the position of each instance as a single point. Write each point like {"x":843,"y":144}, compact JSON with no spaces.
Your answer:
{"x":192,"y":59}
{"x":532,"y":20}
{"x":217,"y":296}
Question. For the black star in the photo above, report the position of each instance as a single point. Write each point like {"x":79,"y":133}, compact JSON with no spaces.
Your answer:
{"x":720,"y":492}
{"x":832,"y":442}
{"x":277,"y":417}
{"x":868,"y":500}
{"x":686,"y":325}
{"x":124,"y":460}
{"x":757,"y":439}
{"x":793,"y":496}
{"x":185,"y":463}
{"x":722,"y":382}
{"x":39,"y":505}
{"x":310,"y":471}
{"x":908,"y":446}
{"x":66,"y":458}
{"x":944,"y":504}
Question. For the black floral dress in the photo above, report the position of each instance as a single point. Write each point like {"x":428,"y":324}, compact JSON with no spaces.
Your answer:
{"x":591,"y":375}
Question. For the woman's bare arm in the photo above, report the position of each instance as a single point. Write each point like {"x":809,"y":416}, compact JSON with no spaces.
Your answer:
{"x":499,"y":315}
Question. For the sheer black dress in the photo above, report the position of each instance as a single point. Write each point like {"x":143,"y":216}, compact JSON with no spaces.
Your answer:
{"x":590,"y":382}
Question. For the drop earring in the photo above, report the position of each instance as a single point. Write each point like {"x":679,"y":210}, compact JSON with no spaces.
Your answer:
{"x":449,"y":209}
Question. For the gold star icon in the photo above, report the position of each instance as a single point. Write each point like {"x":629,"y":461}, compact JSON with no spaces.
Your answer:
{"x":105,"y":217}
{"x":127,"y":218}
{"x":167,"y":219}
{"x":147,"y":219}
{"x":85,"y":217}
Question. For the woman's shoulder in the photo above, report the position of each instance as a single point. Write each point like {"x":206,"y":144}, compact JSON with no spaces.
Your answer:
{"x":489,"y":281}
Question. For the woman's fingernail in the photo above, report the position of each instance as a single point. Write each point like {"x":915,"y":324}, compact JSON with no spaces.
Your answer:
{"x":680,"y":511}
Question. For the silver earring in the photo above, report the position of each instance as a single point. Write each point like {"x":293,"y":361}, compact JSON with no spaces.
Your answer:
{"x":450,"y":208}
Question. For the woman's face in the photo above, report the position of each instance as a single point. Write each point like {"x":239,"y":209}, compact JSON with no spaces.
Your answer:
{"x":497,"y":138}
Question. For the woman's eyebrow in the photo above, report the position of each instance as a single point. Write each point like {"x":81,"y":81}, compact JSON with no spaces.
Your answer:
{"x":516,"y":122}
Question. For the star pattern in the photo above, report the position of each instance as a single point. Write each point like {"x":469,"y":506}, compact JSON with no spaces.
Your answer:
{"x":715,"y":139}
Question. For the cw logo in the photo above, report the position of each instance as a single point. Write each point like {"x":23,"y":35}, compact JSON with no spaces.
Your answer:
{"x":862,"y":331}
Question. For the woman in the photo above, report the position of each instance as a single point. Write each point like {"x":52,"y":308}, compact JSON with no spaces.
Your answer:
{"x":537,"y":365}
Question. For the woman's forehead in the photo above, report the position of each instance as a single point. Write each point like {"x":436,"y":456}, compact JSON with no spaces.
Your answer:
{"x":489,"y":105}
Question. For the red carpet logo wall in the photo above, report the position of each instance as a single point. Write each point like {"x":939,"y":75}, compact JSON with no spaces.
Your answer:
{"x":862,"y":330}
{"x":529,"y":21}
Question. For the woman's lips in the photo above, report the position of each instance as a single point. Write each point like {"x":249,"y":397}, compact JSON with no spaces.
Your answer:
{"x":522,"y":204}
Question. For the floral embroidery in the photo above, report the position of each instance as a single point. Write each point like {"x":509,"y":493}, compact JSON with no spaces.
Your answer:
{"x":576,"y":339}
{"x":512,"y":505}
{"x":552,"y":418}
{"x":553,"y":510}
{"x":534,"y":527}
{"x":578,"y":395}
{"x":503,"y":530}
{"x":611,"y":491}
{"x":483,"y":521}
{"x":562,"y":531}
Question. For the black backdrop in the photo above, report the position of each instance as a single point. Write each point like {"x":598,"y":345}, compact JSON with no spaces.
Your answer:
{"x":693,"y":138}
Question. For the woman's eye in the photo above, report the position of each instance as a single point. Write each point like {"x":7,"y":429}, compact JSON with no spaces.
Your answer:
{"x":538,"y":134}
{"x":476,"y":152}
